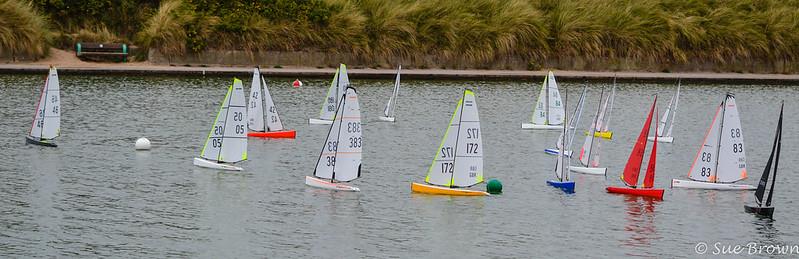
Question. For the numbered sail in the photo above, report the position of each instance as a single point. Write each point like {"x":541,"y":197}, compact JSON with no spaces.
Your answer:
{"x":540,"y":111}
{"x":440,"y":172}
{"x":255,"y":110}
{"x":556,"y":109}
{"x":633,"y":167}
{"x":704,"y":165}
{"x":391,"y":105}
{"x":469,"y":147}
{"x":227,"y":141}
{"x":47,"y":120}
{"x":732,"y":158}
{"x":273,"y":122}
{"x":340,"y":158}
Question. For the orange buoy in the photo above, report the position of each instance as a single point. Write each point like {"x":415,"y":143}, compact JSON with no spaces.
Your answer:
{"x":297,"y":83}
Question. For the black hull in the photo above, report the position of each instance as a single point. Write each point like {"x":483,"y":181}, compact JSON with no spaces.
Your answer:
{"x":31,"y":140}
{"x":760,"y":211}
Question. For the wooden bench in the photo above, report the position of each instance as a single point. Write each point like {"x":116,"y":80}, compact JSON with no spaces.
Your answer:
{"x":102,"y":51}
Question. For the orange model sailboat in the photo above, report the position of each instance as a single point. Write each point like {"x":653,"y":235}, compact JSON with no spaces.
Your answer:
{"x":633,"y":168}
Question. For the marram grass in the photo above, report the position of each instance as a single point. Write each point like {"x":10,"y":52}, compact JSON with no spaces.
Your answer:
{"x":23,"y":32}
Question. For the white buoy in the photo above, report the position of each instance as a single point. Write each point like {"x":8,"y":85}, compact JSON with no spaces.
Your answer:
{"x":142,"y":144}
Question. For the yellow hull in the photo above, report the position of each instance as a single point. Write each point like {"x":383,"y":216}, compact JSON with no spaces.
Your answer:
{"x":431,"y":189}
{"x":602,"y":134}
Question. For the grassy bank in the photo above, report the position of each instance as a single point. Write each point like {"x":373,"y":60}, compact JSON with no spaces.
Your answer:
{"x":616,"y":34}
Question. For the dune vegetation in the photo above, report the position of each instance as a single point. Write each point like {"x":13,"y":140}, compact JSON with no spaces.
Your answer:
{"x":544,"y":33}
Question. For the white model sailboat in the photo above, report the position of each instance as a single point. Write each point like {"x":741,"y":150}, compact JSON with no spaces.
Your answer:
{"x":549,"y":111}
{"x":721,"y":160}
{"x":589,"y":154}
{"x":668,"y":118}
{"x":340,"y":159}
{"x":574,"y":120}
{"x":389,"y":112}
{"x":227,"y":141}
{"x":46,"y":125}
{"x":562,"y":173}
{"x":261,"y":103}
{"x":459,"y":159}
{"x":764,"y":208}
{"x":333,"y":97}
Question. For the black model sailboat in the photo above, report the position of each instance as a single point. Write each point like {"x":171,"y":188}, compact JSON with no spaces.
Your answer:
{"x":764,"y":208}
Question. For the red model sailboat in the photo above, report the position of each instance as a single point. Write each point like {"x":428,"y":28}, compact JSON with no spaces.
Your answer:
{"x":633,"y":167}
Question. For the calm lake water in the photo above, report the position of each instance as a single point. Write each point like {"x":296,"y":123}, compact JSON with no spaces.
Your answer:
{"x":95,"y":196}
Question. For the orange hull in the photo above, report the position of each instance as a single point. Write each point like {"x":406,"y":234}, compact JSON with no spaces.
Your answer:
{"x":431,"y":189}
{"x":654,"y":193}
{"x":273,"y":134}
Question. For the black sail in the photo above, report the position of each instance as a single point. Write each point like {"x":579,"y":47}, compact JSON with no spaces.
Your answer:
{"x":776,"y":158}
{"x":761,"y":186}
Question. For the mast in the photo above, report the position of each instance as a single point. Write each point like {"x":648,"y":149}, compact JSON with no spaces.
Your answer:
{"x":546,"y":98}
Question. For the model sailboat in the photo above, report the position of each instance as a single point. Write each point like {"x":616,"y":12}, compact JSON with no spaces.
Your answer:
{"x":764,"y":208}
{"x":549,"y":112}
{"x":668,"y":118}
{"x":227,"y":141}
{"x":459,"y":159}
{"x":633,"y":168}
{"x":261,"y":103}
{"x":391,"y":106}
{"x":334,"y":93}
{"x":340,"y":159}
{"x":589,"y":153}
{"x":573,"y":121}
{"x":563,"y":181}
{"x":602,"y":125}
{"x":46,"y":125}
{"x":721,"y":160}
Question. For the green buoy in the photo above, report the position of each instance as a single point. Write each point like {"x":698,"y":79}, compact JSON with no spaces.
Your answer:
{"x":494,"y":186}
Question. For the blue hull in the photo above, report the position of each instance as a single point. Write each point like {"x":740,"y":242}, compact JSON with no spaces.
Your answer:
{"x":552,"y":151}
{"x":567,"y":187}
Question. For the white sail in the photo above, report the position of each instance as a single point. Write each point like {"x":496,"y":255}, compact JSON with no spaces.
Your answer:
{"x":603,"y":123}
{"x":574,"y":120}
{"x":469,"y":147}
{"x":227,"y":141}
{"x":556,"y":110}
{"x":391,"y":105}
{"x":47,"y":120}
{"x":562,"y":164}
{"x":674,"y":112}
{"x":590,"y":147}
{"x":732,"y":158}
{"x":704,"y":165}
{"x":665,"y":118}
{"x":273,"y":122}
{"x":540,"y":111}
{"x":255,"y":111}
{"x":340,"y":158}
{"x":440,"y":172}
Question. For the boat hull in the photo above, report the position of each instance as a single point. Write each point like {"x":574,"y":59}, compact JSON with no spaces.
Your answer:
{"x":662,"y":139}
{"x":567,"y":187}
{"x":34,"y":141}
{"x":327,"y":185}
{"x":388,"y":119}
{"x":273,"y":134}
{"x":677,"y":183}
{"x":319,"y":122}
{"x":589,"y":170}
{"x":602,"y":134}
{"x":760,"y":211}
{"x":214,"y":165}
{"x":541,"y":127}
{"x":653,"y":193}
{"x":555,"y":152}
{"x":432,"y":189}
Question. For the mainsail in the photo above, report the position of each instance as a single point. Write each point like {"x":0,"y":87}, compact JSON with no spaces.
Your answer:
{"x":47,"y":119}
{"x":392,"y":101}
{"x":459,"y":158}
{"x":340,"y":158}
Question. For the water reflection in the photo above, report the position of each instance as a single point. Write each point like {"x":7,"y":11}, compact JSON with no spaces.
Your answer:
{"x":640,"y":222}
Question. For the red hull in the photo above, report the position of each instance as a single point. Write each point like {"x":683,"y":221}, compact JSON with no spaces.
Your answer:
{"x":273,"y":134}
{"x":654,"y":193}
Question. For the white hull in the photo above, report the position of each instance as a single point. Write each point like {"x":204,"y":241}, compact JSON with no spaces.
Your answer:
{"x":541,"y":127}
{"x":589,"y":170}
{"x":389,"y":119}
{"x":319,"y":122}
{"x":677,"y":183}
{"x":326,"y":184}
{"x":214,"y":165}
{"x":662,"y":139}
{"x":555,"y":152}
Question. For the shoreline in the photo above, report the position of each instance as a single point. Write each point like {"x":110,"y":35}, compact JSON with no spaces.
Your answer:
{"x":146,"y":69}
